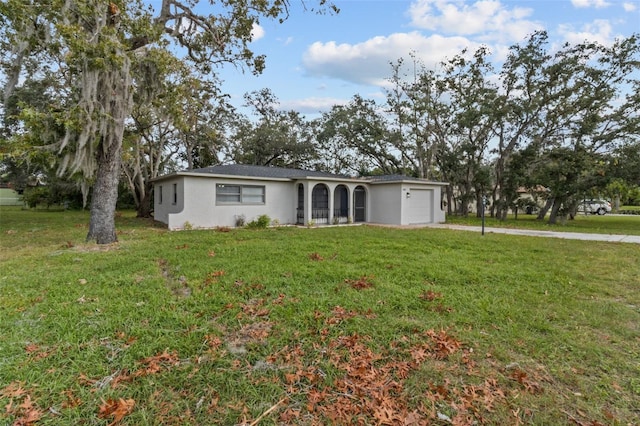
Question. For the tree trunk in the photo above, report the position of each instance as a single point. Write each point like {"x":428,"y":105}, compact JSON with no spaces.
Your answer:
{"x":144,"y":208}
{"x":553,"y":216}
{"x":545,"y":209}
{"x":114,"y":96}
{"x":102,"y":226}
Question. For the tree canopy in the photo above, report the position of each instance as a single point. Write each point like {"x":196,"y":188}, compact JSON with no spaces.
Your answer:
{"x":118,"y":90}
{"x":93,"y":47}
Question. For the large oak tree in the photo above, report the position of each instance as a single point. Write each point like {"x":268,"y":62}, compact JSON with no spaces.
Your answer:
{"x":92,"y":44}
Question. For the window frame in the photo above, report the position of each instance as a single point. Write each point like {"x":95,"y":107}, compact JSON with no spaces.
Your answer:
{"x":242,"y":197}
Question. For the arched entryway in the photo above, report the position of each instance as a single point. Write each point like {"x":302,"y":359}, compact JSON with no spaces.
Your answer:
{"x":359,"y":204}
{"x":340,"y":204}
{"x":320,"y":203}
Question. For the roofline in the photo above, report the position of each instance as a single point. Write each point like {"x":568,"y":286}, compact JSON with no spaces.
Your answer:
{"x":262,"y":178}
{"x":217,"y":175}
{"x":408,"y":181}
{"x":346,"y":179}
{"x":334,"y":179}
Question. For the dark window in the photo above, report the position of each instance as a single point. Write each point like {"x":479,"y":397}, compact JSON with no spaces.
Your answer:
{"x":175,"y":193}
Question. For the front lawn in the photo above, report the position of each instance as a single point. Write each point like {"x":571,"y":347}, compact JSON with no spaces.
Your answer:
{"x":334,"y":325}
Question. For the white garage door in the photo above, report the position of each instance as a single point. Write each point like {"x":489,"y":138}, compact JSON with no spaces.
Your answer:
{"x":420,"y":206}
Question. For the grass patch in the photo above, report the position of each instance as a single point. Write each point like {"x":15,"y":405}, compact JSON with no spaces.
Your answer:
{"x":295,"y":326}
{"x":607,"y":224}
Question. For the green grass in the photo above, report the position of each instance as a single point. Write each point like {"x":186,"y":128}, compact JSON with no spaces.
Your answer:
{"x":630,"y":208}
{"x":313,"y":326}
{"x":607,"y":224}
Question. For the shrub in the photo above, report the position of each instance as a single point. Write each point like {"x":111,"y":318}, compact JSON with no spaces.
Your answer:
{"x":36,"y":195}
{"x":262,"y":222}
{"x":56,"y":193}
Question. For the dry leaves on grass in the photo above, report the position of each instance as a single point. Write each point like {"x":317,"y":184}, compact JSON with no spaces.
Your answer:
{"x":116,"y":409}
{"x":365,"y":281}
{"x":527,"y":382}
{"x":369,"y":385}
{"x":36,"y":352}
{"x":254,"y":308}
{"x":430,"y":295}
{"x":213,"y":277}
{"x":151,"y":365}
{"x":20,"y":405}
{"x":316,"y":257}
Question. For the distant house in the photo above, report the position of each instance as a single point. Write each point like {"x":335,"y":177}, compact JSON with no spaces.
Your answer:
{"x":220,"y":195}
{"x":8,"y":196}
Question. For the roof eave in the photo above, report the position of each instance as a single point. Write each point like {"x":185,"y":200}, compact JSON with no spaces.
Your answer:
{"x":261,"y":178}
{"x":408,"y":181}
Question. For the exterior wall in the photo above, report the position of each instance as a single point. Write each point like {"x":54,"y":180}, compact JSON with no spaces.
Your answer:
{"x":384,"y":203}
{"x":9,"y":197}
{"x":163,"y":209}
{"x":387,"y":203}
{"x":437,"y":214}
{"x":430,"y":209}
{"x":197,"y":203}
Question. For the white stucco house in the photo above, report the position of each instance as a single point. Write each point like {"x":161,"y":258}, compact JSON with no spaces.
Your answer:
{"x":217,"y":195}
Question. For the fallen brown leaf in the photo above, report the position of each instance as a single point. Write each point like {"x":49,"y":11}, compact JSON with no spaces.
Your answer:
{"x":117,"y":409}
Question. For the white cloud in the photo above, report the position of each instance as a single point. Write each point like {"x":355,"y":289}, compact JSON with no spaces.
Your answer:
{"x":369,"y":62}
{"x":285,"y":41}
{"x":629,"y":7}
{"x":599,"y":30}
{"x":487,"y":20}
{"x":311,"y":105}
{"x":598,"y":4}
{"x":257,"y":32}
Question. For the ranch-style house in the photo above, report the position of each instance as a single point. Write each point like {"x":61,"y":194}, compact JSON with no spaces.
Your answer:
{"x":218,"y":196}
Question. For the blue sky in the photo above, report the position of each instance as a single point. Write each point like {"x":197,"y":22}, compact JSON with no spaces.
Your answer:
{"x":316,"y":61}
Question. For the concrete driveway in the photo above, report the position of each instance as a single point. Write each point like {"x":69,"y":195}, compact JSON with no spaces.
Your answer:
{"x":635,"y":239}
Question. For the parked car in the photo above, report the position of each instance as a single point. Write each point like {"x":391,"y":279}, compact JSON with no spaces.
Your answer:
{"x":595,"y":206}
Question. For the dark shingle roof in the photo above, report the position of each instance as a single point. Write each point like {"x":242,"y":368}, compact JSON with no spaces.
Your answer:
{"x":264,"y":171}
{"x":267,"y":172}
